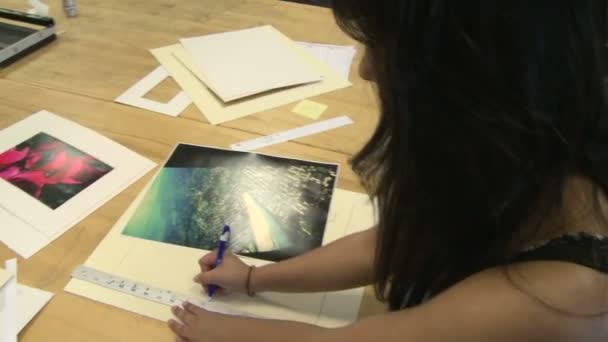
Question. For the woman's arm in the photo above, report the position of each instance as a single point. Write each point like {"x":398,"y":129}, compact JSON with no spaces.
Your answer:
{"x":345,"y":263}
{"x":485,"y":307}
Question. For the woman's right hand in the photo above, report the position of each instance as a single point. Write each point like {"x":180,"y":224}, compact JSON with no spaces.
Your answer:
{"x":230,"y":275}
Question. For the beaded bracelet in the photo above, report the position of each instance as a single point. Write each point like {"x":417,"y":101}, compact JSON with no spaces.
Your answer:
{"x":248,"y":284}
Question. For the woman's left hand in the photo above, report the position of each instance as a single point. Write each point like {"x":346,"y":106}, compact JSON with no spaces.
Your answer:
{"x":197,"y":324}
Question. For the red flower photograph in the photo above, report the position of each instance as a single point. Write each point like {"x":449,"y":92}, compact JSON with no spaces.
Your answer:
{"x":50,"y":170}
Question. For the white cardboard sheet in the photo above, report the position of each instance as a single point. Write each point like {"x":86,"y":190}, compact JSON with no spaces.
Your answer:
{"x":247,"y":62}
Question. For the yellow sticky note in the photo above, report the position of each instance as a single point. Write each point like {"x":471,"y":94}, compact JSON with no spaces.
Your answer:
{"x":309,"y":109}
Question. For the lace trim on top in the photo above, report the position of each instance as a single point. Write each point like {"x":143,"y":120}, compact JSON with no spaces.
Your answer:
{"x":586,"y":249}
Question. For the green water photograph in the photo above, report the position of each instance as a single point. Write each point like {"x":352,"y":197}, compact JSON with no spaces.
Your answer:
{"x":276,"y":207}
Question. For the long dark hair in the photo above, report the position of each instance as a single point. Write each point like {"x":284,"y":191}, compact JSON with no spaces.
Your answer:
{"x":486,"y":108}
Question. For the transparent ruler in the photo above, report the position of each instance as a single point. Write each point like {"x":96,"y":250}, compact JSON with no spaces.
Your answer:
{"x":291,"y":134}
{"x":144,"y":291}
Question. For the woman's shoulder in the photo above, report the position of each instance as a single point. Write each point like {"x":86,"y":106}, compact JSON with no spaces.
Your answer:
{"x":567,"y":270}
{"x":532,"y":300}
{"x":566,"y":281}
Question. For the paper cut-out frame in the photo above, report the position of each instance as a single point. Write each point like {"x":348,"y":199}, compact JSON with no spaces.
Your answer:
{"x":134,"y":96}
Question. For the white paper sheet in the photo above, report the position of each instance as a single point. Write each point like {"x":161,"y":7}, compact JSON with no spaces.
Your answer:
{"x":338,"y":57}
{"x":29,"y":303}
{"x":28,"y":224}
{"x":242,"y":63}
{"x":134,"y":96}
{"x":21,"y":304}
{"x":8,"y":304}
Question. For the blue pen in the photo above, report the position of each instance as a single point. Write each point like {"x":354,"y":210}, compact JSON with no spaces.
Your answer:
{"x":224,"y":238}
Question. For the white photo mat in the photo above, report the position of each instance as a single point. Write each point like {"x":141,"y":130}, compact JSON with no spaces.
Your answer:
{"x":28,"y":222}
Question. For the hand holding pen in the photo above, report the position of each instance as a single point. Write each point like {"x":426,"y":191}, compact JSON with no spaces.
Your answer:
{"x":231,"y":275}
{"x":221,"y":248}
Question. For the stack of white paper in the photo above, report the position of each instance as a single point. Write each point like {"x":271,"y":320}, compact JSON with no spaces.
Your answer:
{"x":235,"y":74}
{"x":332,"y":62}
{"x":53,"y":173}
{"x":247,"y":62}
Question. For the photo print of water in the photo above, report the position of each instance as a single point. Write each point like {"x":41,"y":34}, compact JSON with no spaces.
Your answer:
{"x":276,"y":207}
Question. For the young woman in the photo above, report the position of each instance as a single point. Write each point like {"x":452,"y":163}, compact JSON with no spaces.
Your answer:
{"x":490,"y":166}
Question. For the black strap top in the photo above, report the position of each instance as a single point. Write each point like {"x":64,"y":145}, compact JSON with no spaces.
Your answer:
{"x":581,"y":248}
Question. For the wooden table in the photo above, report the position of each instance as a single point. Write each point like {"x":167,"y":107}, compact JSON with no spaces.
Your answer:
{"x":101,"y":53}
